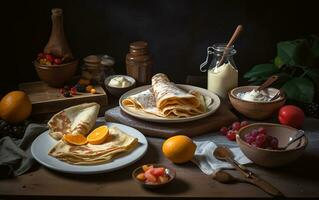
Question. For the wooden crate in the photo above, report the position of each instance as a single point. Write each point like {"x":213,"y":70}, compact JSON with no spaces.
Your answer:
{"x":48,"y":100}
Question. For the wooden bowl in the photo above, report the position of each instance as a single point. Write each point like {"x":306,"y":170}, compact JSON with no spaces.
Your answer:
{"x":115,"y":91}
{"x":256,"y":110}
{"x":56,"y":75}
{"x":269,"y":157}
{"x":168,"y":171}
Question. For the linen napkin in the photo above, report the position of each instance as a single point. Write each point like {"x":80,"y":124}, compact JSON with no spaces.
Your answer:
{"x":15,"y":154}
{"x":205,"y":159}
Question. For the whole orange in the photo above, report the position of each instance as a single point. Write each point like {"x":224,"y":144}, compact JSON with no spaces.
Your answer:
{"x":179,"y":148}
{"x":15,"y":107}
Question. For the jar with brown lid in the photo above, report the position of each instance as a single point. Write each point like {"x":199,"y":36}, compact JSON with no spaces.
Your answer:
{"x":139,"y":62}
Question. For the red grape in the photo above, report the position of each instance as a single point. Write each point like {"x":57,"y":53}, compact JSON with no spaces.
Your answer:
{"x":231,"y":135}
{"x":261,"y":138}
{"x":243,"y":123}
{"x":274,"y":143}
{"x":224,"y":130}
{"x":254,"y":133}
{"x":262,"y":130}
{"x":236,"y":126}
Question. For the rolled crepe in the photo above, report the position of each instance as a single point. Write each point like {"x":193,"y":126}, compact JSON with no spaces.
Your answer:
{"x":117,"y":142}
{"x":167,"y":100}
{"x":78,"y":119}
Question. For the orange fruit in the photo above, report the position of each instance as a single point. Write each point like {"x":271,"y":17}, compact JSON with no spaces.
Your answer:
{"x":98,"y":135}
{"x":15,"y":107}
{"x":76,"y":139}
{"x":179,"y":148}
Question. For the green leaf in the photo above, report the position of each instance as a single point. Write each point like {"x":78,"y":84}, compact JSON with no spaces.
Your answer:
{"x":296,"y":52}
{"x":283,"y":78}
{"x":261,"y":70}
{"x":299,"y":89}
{"x":278,"y":62}
{"x":314,"y":76}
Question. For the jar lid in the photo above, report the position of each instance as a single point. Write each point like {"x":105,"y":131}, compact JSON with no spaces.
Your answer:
{"x":92,"y":59}
{"x":138,"y":45}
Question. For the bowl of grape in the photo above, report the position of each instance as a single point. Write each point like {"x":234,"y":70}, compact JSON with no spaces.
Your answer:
{"x":265,"y":144}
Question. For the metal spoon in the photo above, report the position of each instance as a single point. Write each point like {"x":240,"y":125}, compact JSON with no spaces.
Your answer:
{"x":298,"y":136}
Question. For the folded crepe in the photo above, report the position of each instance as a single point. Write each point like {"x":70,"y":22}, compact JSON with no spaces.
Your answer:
{"x":117,"y":142}
{"x":167,"y":100}
{"x":78,"y":119}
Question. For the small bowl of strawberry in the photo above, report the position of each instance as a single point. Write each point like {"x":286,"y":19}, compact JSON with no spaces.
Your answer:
{"x":153,"y":175}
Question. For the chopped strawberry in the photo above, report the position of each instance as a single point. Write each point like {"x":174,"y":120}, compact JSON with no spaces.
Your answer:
{"x":149,"y":176}
{"x":158,"y":171}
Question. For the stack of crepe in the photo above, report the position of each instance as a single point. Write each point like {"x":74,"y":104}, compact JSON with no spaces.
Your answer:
{"x":80,"y":119}
{"x":165,"y":99}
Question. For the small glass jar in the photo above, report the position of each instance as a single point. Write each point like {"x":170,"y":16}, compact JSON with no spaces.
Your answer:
{"x":139,"y":63}
{"x":222,"y":73}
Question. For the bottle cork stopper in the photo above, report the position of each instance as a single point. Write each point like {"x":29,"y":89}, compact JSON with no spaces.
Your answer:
{"x":138,"y":45}
{"x":57,"y":11}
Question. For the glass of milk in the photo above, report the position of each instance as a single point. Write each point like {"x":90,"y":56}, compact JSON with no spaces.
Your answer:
{"x":222,"y":75}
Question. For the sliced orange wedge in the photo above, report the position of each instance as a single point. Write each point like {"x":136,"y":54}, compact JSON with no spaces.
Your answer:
{"x":76,"y":139}
{"x":98,"y":135}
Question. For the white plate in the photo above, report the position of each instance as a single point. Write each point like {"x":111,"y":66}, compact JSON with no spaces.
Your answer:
{"x":44,"y":142}
{"x":149,"y":117}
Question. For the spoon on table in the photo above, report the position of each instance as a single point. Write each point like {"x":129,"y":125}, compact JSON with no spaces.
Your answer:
{"x":298,"y":136}
{"x":224,"y":153}
{"x":225,"y":177}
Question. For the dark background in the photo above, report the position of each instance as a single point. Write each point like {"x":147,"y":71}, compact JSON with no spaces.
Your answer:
{"x":178,"y":32}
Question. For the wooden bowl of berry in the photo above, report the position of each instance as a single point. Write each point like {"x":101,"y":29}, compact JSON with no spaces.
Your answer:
{"x":153,"y":175}
{"x":53,"y":70}
{"x":266,"y":144}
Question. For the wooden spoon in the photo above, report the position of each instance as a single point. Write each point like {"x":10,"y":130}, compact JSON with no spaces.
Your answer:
{"x":225,"y":177}
{"x":230,"y":43}
{"x":268,"y":83}
{"x":224,"y":153}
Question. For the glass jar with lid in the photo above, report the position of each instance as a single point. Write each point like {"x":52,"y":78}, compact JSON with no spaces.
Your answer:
{"x":222,"y":73}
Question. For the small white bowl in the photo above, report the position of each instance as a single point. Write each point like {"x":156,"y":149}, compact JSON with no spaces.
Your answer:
{"x":115,"y":91}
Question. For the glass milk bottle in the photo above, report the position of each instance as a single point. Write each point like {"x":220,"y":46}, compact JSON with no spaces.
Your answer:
{"x":222,"y":75}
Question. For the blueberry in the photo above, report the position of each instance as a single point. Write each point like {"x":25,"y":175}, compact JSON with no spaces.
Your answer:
{"x":67,"y":94}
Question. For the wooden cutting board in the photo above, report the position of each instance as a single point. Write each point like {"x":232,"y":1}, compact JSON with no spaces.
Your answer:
{"x":222,"y":117}
{"x":47,"y":100}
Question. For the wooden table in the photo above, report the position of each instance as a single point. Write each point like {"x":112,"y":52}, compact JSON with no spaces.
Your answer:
{"x":299,"y":179}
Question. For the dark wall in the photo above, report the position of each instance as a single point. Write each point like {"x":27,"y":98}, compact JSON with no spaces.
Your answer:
{"x":178,"y":31}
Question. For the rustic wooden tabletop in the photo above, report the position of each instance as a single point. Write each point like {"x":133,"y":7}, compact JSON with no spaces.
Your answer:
{"x":299,"y":179}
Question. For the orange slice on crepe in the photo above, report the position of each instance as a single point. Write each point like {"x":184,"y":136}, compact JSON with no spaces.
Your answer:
{"x":76,"y":139}
{"x":98,"y":135}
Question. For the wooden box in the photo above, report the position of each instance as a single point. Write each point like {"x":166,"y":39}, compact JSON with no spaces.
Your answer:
{"x":47,"y":100}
